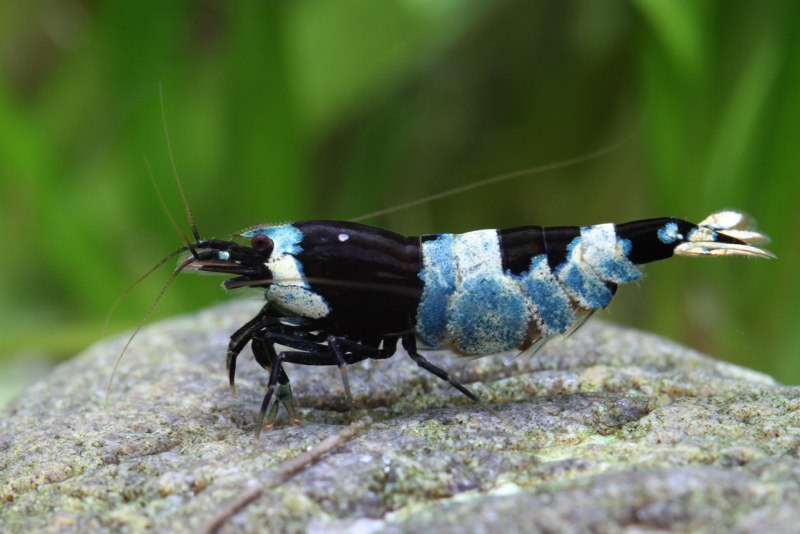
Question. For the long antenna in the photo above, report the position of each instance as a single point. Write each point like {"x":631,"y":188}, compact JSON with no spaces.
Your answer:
{"x":138,"y":281}
{"x":189,"y":244}
{"x":139,"y":326}
{"x":503,"y":177}
{"x":175,"y":167}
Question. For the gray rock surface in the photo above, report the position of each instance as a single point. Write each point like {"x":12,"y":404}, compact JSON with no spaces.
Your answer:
{"x":608,"y":430}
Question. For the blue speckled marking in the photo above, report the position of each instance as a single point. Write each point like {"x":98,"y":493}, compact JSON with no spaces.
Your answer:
{"x":583,"y":285}
{"x":552,"y":308}
{"x":594,"y":258}
{"x":469,"y":303}
{"x":668,"y":234}
{"x":439,"y":279}
{"x":298,"y":300}
{"x":286,"y":238}
{"x":606,"y":254}
{"x":467,"y":300}
{"x":579,"y":280}
{"x":489,"y":312}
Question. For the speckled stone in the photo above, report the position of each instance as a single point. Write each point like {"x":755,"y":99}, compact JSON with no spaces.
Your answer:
{"x":608,"y":430}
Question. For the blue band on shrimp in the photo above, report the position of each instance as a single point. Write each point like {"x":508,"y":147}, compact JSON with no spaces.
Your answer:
{"x":467,"y":299}
{"x":552,"y":308}
{"x":594,"y":259}
{"x":474,"y":301}
{"x":580,"y":281}
{"x":489,"y":311}
{"x":583,"y":286}
{"x":488,"y":315}
{"x":439,"y":279}
{"x":608,"y":254}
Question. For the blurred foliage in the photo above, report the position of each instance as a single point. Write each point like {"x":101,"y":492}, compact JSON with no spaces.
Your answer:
{"x":315,"y":109}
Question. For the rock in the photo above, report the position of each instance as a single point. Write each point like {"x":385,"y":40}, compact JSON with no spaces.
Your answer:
{"x":608,"y":430}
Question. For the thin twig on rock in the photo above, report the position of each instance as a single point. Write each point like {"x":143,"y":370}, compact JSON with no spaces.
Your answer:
{"x":285,"y":471}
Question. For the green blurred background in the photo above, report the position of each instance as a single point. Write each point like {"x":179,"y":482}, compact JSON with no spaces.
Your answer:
{"x":281,"y":111}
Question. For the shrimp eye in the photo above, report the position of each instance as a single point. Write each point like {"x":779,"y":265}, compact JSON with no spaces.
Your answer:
{"x":260,"y":242}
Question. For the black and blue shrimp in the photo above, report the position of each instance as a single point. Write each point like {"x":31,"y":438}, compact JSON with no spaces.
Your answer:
{"x":339,"y":292}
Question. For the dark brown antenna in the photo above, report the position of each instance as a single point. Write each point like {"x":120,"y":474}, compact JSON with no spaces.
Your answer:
{"x":189,"y":244}
{"x":185,"y":263}
{"x":189,"y":215}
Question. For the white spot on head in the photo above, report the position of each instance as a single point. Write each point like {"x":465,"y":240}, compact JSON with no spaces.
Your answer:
{"x":343,"y":237}
{"x":224,"y":255}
